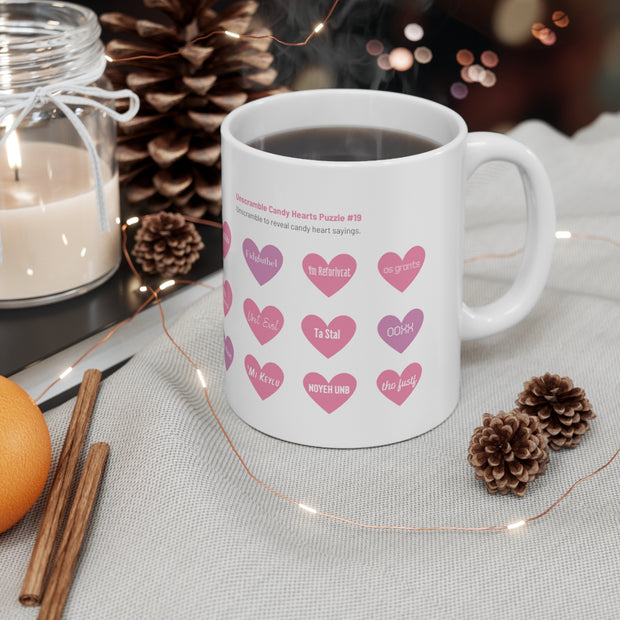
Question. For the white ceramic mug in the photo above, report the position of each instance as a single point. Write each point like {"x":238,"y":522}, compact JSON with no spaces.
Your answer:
{"x":343,"y":280}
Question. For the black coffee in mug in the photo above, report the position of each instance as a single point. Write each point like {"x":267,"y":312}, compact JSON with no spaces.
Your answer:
{"x":343,"y":143}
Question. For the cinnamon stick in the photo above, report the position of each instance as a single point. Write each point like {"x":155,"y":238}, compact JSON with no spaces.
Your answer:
{"x":40,"y":560}
{"x":66,"y":559}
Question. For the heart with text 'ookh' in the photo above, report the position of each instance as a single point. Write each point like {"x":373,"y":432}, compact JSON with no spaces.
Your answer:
{"x":266,"y":379}
{"x":329,"y":278}
{"x":264,"y":264}
{"x":328,"y":339}
{"x":329,"y":395}
{"x":229,"y":352}
{"x":400,"y":334}
{"x":226,"y":239}
{"x":227,"y":296}
{"x":401,"y":272}
{"x":397,"y":387}
{"x":265,"y":324}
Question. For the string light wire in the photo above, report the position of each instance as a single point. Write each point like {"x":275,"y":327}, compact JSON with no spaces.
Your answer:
{"x":154,"y":297}
{"x":560,"y":234}
{"x":232,"y":35}
{"x":94,"y":346}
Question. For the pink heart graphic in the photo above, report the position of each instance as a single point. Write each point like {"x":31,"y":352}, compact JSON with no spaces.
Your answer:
{"x":266,"y":380}
{"x":265,"y":325}
{"x":229,"y":352}
{"x":264,"y":264}
{"x":397,"y":387}
{"x":329,"y":395}
{"x":226,"y":238}
{"x":329,"y":279}
{"x":400,"y":273}
{"x":227,"y":295}
{"x":400,"y":334}
{"x":328,"y":339}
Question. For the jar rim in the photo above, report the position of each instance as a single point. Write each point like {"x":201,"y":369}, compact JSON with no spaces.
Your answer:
{"x":46,"y":41}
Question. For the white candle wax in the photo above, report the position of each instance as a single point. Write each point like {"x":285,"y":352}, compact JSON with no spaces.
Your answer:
{"x":49,"y":226}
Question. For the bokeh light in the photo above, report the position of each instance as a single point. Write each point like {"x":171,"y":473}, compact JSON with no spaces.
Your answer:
{"x":413,"y":32}
{"x":537,"y":28}
{"x":475,"y":72}
{"x":488,"y":78}
{"x":374,"y":47}
{"x":464,"y":58}
{"x":547,"y":37}
{"x":383,"y":60}
{"x":560,"y":19}
{"x":472,"y":72}
{"x":489,"y":59}
{"x":459,"y":90}
{"x":512,"y":20}
{"x":423,"y":55}
{"x":465,"y":75}
{"x":401,"y":59}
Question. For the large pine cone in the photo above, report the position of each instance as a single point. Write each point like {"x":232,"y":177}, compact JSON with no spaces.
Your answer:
{"x":508,"y":451}
{"x":169,"y":154}
{"x":562,"y":408}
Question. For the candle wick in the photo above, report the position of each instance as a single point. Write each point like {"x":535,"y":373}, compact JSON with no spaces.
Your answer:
{"x":16,"y":172}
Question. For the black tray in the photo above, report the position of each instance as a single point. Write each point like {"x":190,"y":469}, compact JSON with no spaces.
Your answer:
{"x":28,"y":335}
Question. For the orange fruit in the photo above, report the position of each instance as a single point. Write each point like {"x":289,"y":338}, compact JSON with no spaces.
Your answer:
{"x":25,"y":453}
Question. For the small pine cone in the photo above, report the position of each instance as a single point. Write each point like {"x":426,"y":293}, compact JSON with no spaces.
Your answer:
{"x":166,"y":244}
{"x":563,"y":410}
{"x":508,"y":451}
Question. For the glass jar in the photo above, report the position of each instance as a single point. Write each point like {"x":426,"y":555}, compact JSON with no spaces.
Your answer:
{"x":59,"y":195}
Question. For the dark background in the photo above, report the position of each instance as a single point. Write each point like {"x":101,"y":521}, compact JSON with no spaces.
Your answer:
{"x":566,"y":84}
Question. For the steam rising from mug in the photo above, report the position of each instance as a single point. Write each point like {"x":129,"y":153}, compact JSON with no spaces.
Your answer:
{"x":339,"y":56}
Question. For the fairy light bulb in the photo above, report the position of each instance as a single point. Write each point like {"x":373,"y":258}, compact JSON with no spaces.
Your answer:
{"x":318,"y":27}
{"x":132,"y":220}
{"x":166,"y":284}
{"x":515,"y":525}
{"x":234,"y":35}
{"x":308,"y":508}
{"x":201,"y":378}
{"x":65,"y":372}
{"x":563,"y":234}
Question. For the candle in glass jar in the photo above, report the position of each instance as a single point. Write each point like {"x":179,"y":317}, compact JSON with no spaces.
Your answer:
{"x":49,"y":226}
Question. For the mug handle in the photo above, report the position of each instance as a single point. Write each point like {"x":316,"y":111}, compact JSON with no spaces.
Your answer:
{"x":531,"y":278}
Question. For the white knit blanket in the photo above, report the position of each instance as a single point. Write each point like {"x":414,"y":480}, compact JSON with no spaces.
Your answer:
{"x":181,"y":531}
